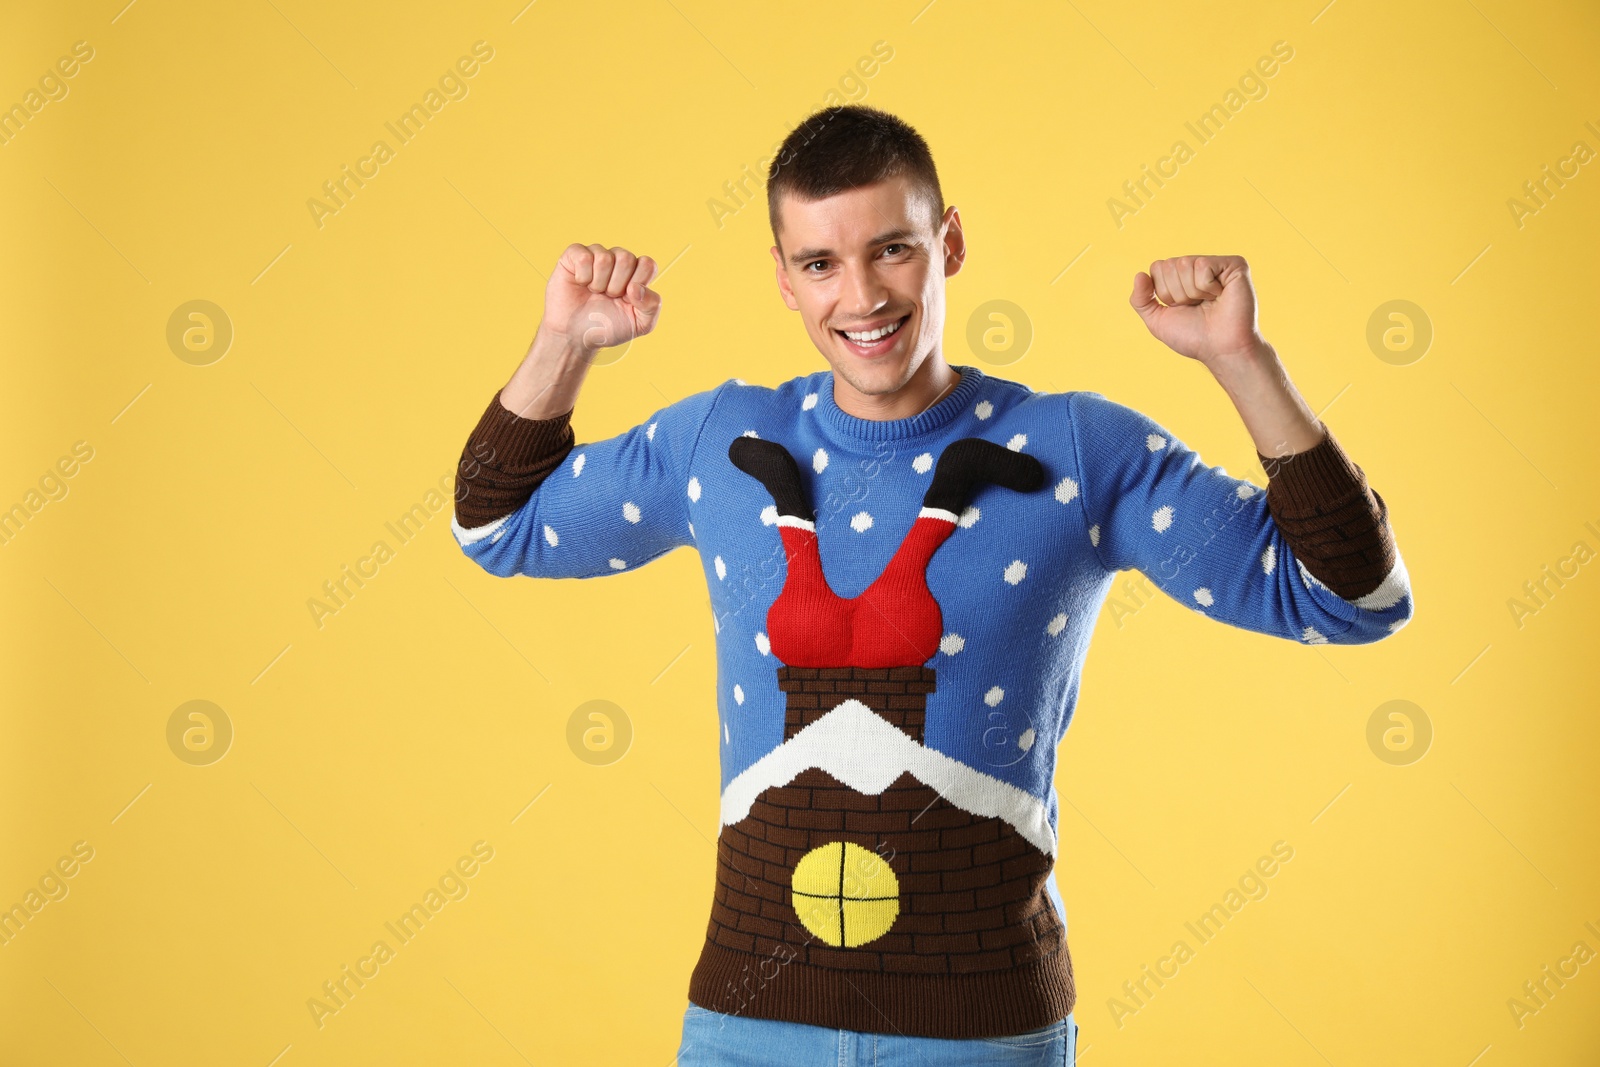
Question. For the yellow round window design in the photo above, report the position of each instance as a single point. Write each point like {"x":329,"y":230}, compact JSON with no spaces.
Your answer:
{"x":845,"y":895}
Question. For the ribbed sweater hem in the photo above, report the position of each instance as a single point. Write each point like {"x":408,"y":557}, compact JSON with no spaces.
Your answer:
{"x":959,"y":1006}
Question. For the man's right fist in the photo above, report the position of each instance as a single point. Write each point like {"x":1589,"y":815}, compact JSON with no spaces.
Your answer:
{"x":597,"y":297}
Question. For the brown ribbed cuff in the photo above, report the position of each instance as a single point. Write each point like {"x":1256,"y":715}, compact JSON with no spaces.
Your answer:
{"x":1335,"y":523}
{"x":505,"y":459}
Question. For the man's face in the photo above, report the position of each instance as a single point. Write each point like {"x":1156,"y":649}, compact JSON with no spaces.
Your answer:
{"x":863,"y":261}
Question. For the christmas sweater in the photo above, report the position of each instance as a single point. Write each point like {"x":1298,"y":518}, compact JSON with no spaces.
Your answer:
{"x":902,"y":611}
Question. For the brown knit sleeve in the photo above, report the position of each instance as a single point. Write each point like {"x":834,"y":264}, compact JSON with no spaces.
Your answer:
{"x":505,"y":459}
{"x":1335,"y":523}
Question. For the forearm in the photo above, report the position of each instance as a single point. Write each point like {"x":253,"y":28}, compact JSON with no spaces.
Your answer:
{"x":1277,"y":416}
{"x":1319,"y":498}
{"x":523,"y":435}
{"x":547,"y":382}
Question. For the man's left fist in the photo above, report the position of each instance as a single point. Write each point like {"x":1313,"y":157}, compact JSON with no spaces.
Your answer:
{"x":1203,"y":307}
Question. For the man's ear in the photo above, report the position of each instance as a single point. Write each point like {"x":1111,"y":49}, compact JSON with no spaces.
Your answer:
{"x":955,"y":241}
{"x":783,"y":281}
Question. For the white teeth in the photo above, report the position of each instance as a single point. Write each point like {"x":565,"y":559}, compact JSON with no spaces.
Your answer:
{"x":873,"y":335}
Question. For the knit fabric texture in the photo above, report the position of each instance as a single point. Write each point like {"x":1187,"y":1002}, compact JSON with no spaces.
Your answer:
{"x":902,"y":610}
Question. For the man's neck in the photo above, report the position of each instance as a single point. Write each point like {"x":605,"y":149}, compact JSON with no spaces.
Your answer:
{"x":929,"y":384}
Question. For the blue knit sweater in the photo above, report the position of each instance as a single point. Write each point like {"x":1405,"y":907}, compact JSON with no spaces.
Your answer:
{"x":1019,"y":583}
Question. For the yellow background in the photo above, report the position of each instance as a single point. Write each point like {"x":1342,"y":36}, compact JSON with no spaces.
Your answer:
{"x":425,"y":716}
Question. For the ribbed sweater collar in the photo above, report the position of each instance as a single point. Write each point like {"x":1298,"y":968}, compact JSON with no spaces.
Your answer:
{"x":957,"y":400}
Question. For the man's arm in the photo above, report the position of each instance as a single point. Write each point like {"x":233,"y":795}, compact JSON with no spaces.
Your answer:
{"x":1316,"y":559}
{"x":1335,"y":523}
{"x":1214,"y":542}
{"x":596,"y":297}
{"x":619,"y":502}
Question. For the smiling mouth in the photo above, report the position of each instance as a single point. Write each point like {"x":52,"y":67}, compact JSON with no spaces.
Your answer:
{"x":873,"y":342}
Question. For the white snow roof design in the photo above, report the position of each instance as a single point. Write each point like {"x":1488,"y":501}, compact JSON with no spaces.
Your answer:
{"x":867,"y":753}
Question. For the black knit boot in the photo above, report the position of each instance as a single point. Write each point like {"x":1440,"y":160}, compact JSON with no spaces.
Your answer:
{"x":972,"y":461}
{"x":770,"y":463}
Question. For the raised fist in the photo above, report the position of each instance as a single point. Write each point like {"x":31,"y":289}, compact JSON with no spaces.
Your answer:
{"x":597,"y":297}
{"x":1203,"y":307}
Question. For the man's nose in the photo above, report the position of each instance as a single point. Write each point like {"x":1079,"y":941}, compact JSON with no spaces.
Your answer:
{"x":864,"y":291}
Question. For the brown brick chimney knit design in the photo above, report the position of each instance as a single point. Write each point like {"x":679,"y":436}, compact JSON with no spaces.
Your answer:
{"x":971,"y":892}
{"x":898,"y":694}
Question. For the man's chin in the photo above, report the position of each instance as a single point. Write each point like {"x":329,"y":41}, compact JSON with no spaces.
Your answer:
{"x":872,"y":377}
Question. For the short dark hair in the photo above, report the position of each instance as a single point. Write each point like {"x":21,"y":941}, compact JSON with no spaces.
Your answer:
{"x":846,"y":147}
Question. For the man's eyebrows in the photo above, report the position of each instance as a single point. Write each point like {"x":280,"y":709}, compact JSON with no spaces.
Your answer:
{"x":897,"y":234}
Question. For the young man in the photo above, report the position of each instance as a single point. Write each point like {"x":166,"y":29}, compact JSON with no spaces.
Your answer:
{"x":906,"y":559}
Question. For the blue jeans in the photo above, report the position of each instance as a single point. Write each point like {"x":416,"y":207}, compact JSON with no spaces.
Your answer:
{"x":714,"y":1039}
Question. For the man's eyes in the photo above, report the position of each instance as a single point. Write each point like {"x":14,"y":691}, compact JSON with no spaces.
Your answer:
{"x":887,"y":250}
